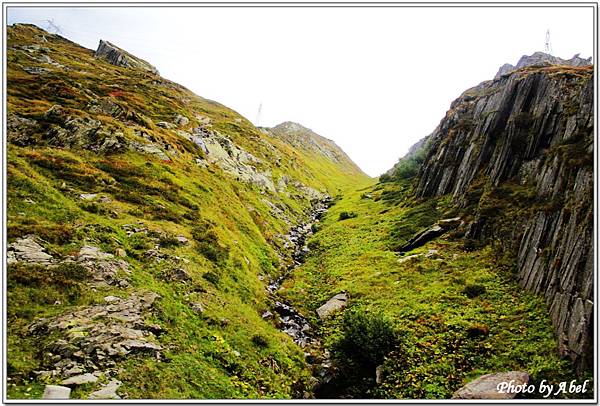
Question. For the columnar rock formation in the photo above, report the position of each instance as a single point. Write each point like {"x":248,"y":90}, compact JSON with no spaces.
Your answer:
{"x":520,"y":147}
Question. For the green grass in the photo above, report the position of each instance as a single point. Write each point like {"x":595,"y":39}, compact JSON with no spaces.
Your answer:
{"x":458,"y":314}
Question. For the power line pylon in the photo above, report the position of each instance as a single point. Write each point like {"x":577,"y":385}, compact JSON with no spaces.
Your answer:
{"x":53,"y":26}
{"x":548,"y":45}
{"x":259,"y":114}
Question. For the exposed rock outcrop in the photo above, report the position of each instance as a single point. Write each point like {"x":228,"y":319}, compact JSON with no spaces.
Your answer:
{"x":119,"y":57}
{"x":520,"y":148}
{"x":542,"y":59}
{"x":91,"y":339}
{"x":29,"y":250}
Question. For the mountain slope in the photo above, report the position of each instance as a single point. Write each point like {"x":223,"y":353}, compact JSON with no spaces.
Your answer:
{"x":144,"y":223}
{"x":435,"y":258}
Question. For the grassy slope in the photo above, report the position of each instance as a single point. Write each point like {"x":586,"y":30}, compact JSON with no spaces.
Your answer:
{"x":171,"y":197}
{"x":424,"y":298}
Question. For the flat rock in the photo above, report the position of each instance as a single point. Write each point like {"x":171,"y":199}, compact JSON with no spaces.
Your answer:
{"x":56,"y":392}
{"x":91,"y":253}
{"x":88,"y":196}
{"x":28,"y":249}
{"x":80,"y":379}
{"x":338,"y":302}
{"x":109,"y":391}
{"x":408,"y":258}
{"x":430,"y":233}
{"x":486,"y":386}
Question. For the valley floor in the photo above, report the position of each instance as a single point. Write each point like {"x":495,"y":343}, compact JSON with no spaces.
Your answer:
{"x":419,"y":324}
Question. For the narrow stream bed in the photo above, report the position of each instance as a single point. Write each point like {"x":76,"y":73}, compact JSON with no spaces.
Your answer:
{"x":289,"y":319}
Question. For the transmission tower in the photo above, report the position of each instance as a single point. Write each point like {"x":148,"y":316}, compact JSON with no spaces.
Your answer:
{"x":52,"y":26}
{"x":548,"y":45}
{"x":259,"y":114}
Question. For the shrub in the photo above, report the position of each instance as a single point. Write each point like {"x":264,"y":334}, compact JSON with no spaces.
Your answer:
{"x":168,"y":241}
{"x":260,"y":341}
{"x":385,"y":178}
{"x":367,"y":338}
{"x":212,"y":278}
{"x":474,"y":290}
{"x":478,"y":330}
{"x":347,"y":215}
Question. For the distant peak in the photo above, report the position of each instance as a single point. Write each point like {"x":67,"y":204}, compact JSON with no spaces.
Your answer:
{"x":291,"y":126}
{"x":542,"y":59}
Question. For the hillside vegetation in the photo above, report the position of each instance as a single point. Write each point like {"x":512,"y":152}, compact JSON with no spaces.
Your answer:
{"x":196,"y":209}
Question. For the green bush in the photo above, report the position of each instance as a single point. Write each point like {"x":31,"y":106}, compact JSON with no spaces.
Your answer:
{"x":212,"y":278}
{"x":474,"y":290}
{"x":347,"y":215}
{"x":260,"y":341}
{"x":366,"y":338}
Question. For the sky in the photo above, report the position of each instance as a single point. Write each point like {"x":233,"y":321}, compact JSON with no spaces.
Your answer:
{"x":374,"y":80}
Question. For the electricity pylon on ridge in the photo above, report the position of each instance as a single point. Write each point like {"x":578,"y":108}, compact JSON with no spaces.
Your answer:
{"x":53,"y":26}
{"x":258,"y":114}
{"x":548,"y":44}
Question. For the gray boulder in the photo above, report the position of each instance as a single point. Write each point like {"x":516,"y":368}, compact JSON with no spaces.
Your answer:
{"x":181,"y":120}
{"x":56,"y":392}
{"x":80,"y":379}
{"x":338,"y":302}
{"x":487,"y":386}
{"x":430,"y":233}
{"x":109,"y":391}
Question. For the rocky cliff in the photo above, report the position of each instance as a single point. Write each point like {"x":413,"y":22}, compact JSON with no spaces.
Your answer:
{"x":516,"y":153}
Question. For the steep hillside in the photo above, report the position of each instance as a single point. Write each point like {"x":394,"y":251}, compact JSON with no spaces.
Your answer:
{"x":517,"y":154}
{"x":432,"y":261}
{"x":144,"y":225}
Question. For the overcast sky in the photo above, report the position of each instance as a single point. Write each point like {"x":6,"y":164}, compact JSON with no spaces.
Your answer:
{"x":375,"y":80}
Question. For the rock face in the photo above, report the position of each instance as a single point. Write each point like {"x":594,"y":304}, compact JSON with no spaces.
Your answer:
{"x":542,"y":59}
{"x":120,"y":57}
{"x":490,"y":386}
{"x":518,"y":152}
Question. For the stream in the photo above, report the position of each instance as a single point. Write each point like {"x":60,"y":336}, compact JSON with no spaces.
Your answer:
{"x":289,"y":319}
